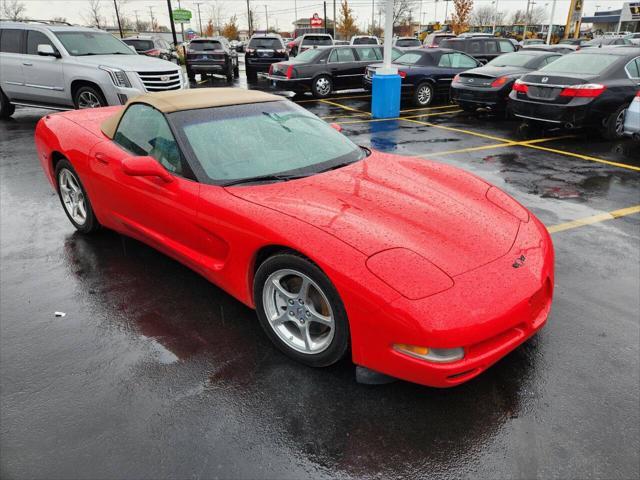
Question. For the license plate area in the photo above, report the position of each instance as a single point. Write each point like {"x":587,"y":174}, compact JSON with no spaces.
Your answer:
{"x":543,"y":93}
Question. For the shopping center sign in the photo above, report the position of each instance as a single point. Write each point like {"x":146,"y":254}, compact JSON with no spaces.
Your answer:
{"x":181,"y":15}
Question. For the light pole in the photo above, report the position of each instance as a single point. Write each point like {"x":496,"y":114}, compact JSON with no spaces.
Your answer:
{"x":495,"y":17}
{"x":199,"y":17}
{"x":553,"y":12}
{"x":115,"y":4}
{"x":266,"y":15}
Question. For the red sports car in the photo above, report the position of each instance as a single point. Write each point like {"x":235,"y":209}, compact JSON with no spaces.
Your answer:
{"x":419,"y":270}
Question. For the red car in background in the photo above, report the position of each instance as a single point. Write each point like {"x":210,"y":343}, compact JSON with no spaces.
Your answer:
{"x":416,"y":269}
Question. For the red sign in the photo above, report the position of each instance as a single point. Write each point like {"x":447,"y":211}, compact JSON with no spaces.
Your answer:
{"x":316,"y":21}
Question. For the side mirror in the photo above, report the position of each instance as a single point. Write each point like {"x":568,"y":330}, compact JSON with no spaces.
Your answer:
{"x":145,"y":167}
{"x":336,"y":127}
{"x":47,"y":50}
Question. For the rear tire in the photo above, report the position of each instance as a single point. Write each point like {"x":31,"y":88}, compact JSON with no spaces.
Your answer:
{"x":613,"y":125}
{"x":322,"y":86}
{"x":251,"y":74}
{"x":190,"y":75}
{"x":308,"y":324}
{"x":74,"y":199}
{"x":230,"y":74}
{"x":6,"y":108}
{"x":423,"y":95}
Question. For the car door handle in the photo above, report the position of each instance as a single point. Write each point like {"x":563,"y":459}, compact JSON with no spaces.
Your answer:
{"x":26,"y":64}
{"x":102,"y":158}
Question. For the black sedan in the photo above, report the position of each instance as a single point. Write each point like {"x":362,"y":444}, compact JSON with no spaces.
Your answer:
{"x":426,"y":72}
{"x":489,"y":86}
{"x":323,"y":70}
{"x":589,"y":88}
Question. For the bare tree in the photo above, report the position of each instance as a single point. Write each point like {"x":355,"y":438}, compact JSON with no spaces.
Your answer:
{"x":485,"y":15}
{"x":217,"y":14}
{"x":93,"y":15}
{"x":13,"y":9}
{"x":538,"y":16}
{"x":403,"y":10}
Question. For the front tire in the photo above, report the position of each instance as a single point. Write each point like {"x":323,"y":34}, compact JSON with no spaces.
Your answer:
{"x":300,"y":310}
{"x":6,"y":108}
{"x":423,"y":95}
{"x":88,"y":97}
{"x":322,"y":86}
{"x":74,"y":198}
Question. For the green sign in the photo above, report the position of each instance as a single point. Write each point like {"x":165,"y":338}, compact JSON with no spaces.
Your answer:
{"x":181,"y":15}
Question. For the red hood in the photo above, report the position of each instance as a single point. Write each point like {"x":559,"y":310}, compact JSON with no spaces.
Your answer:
{"x":388,"y":201}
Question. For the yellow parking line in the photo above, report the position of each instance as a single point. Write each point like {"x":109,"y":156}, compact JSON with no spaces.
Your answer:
{"x":602,"y":217}
{"x":355,"y":115}
{"x":585,"y":157}
{"x":429,"y":108}
{"x":494,"y":145}
{"x":371,"y":120}
{"x":460,"y":130}
{"x":329,"y":102}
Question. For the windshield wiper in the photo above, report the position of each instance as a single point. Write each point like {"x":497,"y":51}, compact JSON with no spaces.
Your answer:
{"x":265,"y":178}
{"x":278,"y":119}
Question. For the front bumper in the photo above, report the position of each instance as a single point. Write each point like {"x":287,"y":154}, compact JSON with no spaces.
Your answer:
{"x":578,"y":112}
{"x":489,"y":312}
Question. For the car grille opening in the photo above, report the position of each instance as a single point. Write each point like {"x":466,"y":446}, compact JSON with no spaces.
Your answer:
{"x":161,"y":81}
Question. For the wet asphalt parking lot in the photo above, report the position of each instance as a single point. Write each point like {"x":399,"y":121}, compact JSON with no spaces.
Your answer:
{"x":155,"y":373}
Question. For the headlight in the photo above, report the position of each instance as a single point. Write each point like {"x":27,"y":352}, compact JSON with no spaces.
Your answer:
{"x":436,"y":355}
{"x":118,"y":77}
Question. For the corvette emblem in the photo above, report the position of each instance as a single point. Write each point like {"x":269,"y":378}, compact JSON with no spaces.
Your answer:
{"x":471,"y":80}
{"x":544,"y":79}
{"x":519,"y":262}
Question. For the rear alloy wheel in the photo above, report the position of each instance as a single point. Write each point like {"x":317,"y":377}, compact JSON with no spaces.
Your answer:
{"x":74,"y":198}
{"x":89,"y":97}
{"x":322,"y":86}
{"x":300,"y":310}
{"x":613,"y":125}
{"x":6,"y":108}
{"x":423,"y":95}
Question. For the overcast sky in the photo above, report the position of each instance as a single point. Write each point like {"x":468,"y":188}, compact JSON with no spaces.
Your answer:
{"x":282,"y":12}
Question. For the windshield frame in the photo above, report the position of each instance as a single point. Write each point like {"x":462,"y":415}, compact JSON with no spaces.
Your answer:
{"x":178,"y":120}
{"x":126,"y":50}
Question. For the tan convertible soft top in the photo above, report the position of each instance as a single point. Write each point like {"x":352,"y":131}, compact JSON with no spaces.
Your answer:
{"x":178,"y":100}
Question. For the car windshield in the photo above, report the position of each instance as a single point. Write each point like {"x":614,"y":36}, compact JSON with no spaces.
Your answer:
{"x":409,"y":58}
{"x":309,"y":56}
{"x":317,"y":40}
{"x":285,"y":139}
{"x":92,"y":43}
{"x":581,"y":63}
{"x":267,"y":43}
{"x":408,"y":42}
{"x":202,"y":46}
{"x":140,"y":45}
{"x":512,"y":60}
{"x":365,"y":41}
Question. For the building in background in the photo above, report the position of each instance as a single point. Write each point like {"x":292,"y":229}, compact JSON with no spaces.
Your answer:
{"x":626,"y":19}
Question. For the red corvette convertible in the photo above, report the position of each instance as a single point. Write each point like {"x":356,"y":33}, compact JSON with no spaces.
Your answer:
{"x":419,"y":270}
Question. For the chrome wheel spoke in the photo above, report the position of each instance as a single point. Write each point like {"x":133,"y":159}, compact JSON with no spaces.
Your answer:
{"x":319,"y":318}
{"x":281,"y":290}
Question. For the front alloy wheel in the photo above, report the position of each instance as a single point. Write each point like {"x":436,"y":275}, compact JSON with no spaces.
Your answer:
{"x":423,"y":95}
{"x":300,"y":310}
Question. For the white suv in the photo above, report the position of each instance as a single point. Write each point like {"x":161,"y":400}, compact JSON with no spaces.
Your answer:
{"x":65,"y":67}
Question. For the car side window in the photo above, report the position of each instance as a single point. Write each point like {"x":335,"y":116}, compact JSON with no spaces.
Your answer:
{"x":445,"y":60}
{"x":506,"y":46}
{"x":549,"y":60}
{"x":367,"y":54}
{"x":35,"y":38}
{"x":475,"y":47}
{"x":346,"y":55}
{"x":380,"y":55}
{"x":143,"y":130}
{"x":11,"y":40}
{"x":460,"y":60}
{"x":633,"y":68}
{"x":491,"y":46}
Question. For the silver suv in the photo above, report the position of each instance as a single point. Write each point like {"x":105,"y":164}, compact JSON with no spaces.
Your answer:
{"x":65,"y":67}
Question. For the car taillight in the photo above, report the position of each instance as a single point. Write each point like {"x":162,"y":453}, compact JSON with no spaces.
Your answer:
{"x":588,"y":90}
{"x":498,"y":82}
{"x":289,"y":71}
{"x":520,"y":86}
{"x":250,"y":50}
{"x":456,"y":79}
{"x":402,"y":74}
{"x":281,"y":50}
